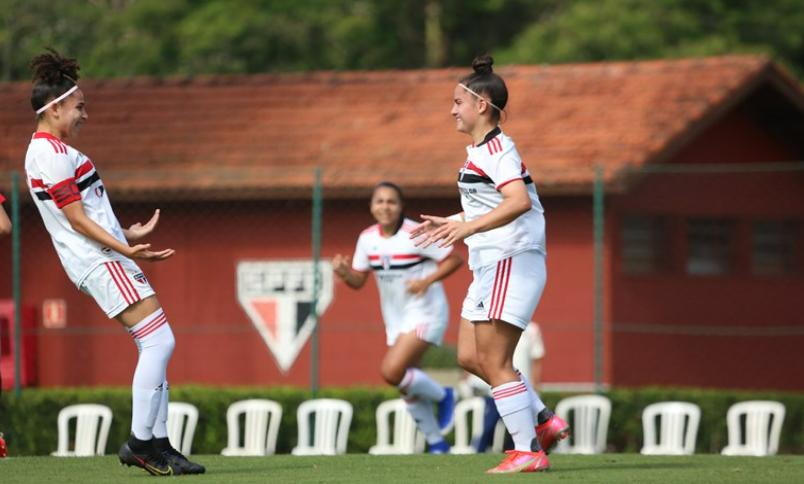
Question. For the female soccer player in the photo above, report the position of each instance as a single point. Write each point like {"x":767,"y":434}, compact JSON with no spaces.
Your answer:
{"x":502,"y":223}
{"x":95,"y":253}
{"x":414,"y":306}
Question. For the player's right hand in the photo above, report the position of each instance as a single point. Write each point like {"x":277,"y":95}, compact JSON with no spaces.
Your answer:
{"x":144,"y":252}
{"x":341,"y":265}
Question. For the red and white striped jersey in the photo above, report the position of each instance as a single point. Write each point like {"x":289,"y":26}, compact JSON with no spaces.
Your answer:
{"x":490,"y":166}
{"x":396,"y":260}
{"x":57,"y":175}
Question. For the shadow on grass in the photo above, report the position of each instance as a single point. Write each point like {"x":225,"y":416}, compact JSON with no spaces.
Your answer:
{"x":616,"y":465}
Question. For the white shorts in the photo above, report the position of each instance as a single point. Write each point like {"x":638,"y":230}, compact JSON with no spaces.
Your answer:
{"x":429,"y":329}
{"x":508,"y":290}
{"x":116,"y":286}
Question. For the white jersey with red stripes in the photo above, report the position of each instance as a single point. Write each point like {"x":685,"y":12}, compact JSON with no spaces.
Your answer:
{"x":489,"y":166}
{"x":394,"y":261}
{"x":57,"y":175}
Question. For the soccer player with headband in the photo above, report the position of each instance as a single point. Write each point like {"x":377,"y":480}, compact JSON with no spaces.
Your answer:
{"x":503,"y":225}
{"x":95,"y":252}
{"x":414,"y":306}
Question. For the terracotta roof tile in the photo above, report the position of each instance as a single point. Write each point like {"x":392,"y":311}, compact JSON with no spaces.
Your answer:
{"x":263,"y":135}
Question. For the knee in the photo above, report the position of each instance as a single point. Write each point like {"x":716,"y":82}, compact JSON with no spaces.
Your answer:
{"x":392,"y":374}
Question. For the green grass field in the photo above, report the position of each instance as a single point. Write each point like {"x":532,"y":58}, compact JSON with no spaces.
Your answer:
{"x":442,"y":469}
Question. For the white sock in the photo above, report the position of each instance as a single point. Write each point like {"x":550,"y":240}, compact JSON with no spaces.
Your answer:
{"x":155,"y":343}
{"x":514,"y":405}
{"x":422,"y":412}
{"x":419,"y":384}
{"x":536,"y":403}
{"x":160,"y":426}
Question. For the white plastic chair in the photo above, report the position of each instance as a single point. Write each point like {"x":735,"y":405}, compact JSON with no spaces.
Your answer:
{"x":260,"y":431}
{"x":332,"y":418}
{"x":181,"y":423}
{"x":763,"y":427}
{"x":588,"y":415}
{"x":92,"y":422}
{"x":474,"y":409}
{"x":678,"y":428}
{"x":405,"y":438}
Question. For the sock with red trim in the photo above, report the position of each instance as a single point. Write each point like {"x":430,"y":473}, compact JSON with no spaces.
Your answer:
{"x":418,"y":383}
{"x":160,"y":426}
{"x":155,"y":343}
{"x":514,"y":405}
{"x":536,"y":403}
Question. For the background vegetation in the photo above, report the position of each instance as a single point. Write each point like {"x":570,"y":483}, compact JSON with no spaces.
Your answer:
{"x":117,"y":38}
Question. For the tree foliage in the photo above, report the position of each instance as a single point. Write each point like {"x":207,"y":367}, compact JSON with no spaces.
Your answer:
{"x":114,"y":38}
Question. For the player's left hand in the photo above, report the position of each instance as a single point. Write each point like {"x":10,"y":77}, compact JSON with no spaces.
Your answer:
{"x":417,"y":287}
{"x":138,"y":230}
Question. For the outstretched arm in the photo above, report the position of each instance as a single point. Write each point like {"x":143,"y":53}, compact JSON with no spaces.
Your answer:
{"x":516,"y":202}
{"x":88,"y":228}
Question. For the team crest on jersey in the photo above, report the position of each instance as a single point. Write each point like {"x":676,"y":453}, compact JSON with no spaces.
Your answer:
{"x":140,"y":277}
{"x":277,"y":296}
{"x":99,"y":191}
{"x":106,"y":250}
{"x":385,"y":260}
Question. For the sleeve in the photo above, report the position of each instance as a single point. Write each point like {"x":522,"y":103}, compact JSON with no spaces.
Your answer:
{"x":58,"y":176}
{"x":2,"y":198}
{"x":507,"y":168}
{"x":360,"y":261}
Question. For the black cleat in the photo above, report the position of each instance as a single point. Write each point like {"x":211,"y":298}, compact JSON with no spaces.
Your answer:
{"x":177,"y":458}
{"x":151,"y":461}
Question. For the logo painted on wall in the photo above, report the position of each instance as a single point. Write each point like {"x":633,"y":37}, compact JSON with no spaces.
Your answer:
{"x":277,"y":296}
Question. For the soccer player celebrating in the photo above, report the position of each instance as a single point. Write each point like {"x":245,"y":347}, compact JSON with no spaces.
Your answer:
{"x":502,"y":223}
{"x":414,"y":306}
{"x":96,"y":255}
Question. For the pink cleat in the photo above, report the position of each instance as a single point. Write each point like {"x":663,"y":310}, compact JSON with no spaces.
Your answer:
{"x":552,"y":432}
{"x":519,"y":461}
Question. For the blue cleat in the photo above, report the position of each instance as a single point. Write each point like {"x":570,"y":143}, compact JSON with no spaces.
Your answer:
{"x":446,"y":411}
{"x":439,"y":448}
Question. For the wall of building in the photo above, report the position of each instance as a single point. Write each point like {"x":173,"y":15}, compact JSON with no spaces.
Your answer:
{"x":738,"y":330}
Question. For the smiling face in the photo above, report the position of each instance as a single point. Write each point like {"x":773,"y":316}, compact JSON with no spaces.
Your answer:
{"x":386,"y":207}
{"x":64,"y":120}
{"x":464,"y":110}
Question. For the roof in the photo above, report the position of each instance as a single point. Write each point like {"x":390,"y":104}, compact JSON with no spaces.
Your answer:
{"x":262,"y":136}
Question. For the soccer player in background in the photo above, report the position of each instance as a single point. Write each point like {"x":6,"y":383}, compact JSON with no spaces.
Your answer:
{"x":414,"y":306}
{"x":95,"y":252}
{"x":503,"y":225}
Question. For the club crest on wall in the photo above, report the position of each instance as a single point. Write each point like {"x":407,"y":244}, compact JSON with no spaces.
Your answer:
{"x":277,"y":296}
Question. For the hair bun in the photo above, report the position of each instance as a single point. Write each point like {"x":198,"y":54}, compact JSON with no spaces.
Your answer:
{"x":51,"y":68}
{"x":482,"y":64}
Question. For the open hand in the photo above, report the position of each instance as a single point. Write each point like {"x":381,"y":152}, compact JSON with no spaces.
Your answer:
{"x":138,"y":230}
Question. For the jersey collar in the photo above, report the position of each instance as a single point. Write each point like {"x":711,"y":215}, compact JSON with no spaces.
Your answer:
{"x":43,"y":135}
{"x":494,"y":132}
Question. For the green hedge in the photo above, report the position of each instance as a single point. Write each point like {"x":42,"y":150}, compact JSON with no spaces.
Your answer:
{"x":29,"y":424}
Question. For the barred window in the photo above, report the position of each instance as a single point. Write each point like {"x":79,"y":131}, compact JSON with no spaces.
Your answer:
{"x":644,"y":244}
{"x":710,"y":246}
{"x":774,"y":247}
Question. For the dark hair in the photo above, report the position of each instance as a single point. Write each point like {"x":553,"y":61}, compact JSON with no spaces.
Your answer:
{"x":486,"y":83}
{"x":53,"y":76}
{"x":393,"y":186}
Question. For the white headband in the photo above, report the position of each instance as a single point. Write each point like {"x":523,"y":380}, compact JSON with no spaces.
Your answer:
{"x":58,"y":99}
{"x":479,"y":96}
